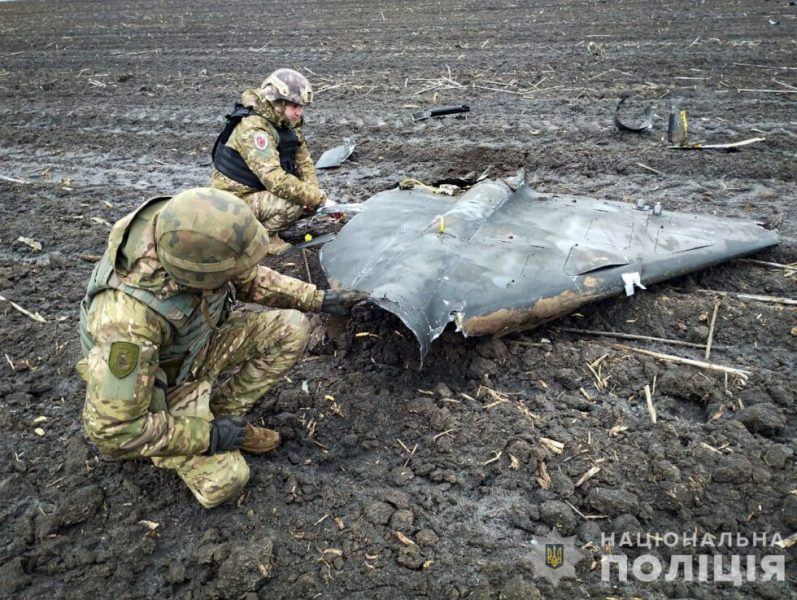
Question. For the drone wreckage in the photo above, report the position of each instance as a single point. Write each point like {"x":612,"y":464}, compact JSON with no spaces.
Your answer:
{"x":501,"y":257}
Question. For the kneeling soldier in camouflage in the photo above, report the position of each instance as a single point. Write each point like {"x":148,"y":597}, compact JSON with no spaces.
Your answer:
{"x":261,"y":155}
{"x":157,"y":330}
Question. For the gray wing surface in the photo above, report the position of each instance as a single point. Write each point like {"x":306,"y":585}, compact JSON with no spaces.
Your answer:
{"x":509,"y":259}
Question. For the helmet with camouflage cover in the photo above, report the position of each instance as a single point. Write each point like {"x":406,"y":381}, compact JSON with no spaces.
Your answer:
{"x":205,"y":237}
{"x":287,"y":84}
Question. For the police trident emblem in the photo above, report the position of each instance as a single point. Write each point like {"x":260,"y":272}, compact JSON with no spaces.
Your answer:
{"x":554,"y":555}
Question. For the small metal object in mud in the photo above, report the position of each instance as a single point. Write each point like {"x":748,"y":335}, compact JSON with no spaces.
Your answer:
{"x":647,"y":119}
{"x":440,"y":111}
{"x":678,"y":129}
{"x":335,"y":156}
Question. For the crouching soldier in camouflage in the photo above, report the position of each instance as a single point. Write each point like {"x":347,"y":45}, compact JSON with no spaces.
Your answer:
{"x":157,"y":330}
{"x":261,"y":155}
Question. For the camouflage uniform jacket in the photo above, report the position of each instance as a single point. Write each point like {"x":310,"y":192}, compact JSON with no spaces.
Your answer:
{"x":142,"y":332}
{"x":256,"y":139}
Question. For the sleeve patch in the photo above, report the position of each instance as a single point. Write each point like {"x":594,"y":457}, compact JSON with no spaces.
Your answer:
{"x":261,"y":141}
{"x":123,"y":358}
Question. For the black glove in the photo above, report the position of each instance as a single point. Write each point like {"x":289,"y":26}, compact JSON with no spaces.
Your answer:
{"x":340,"y":302}
{"x":226,"y":433}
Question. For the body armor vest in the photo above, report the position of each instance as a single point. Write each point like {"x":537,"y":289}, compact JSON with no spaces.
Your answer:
{"x":230,"y":163}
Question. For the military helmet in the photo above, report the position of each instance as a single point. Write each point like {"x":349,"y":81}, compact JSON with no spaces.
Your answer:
{"x":287,"y":84}
{"x":205,"y":237}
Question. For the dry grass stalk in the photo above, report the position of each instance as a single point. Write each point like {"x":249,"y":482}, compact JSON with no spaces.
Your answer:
{"x":787,"y":542}
{"x":630,"y":336}
{"x":442,"y":433}
{"x":404,"y":539}
{"x":711,"y":329}
{"x":30,"y":242}
{"x":307,"y":265}
{"x":583,"y":515}
{"x":13,"y":180}
{"x":496,"y":456}
{"x":588,"y":475}
{"x":651,"y":169}
{"x":543,"y":478}
{"x":552,"y":445}
{"x":764,"y":263}
{"x":412,"y":453}
{"x":496,"y":396}
{"x":687,"y":361}
{"x":756,"y":297}
{"x":710,"y":447}
{"x":649,"y":401}
{"x":526,"y":412}
{"x":578,"y":512}
{"x":600,"y":382}
{"x":618,"y":428}
{"x":766,"y":91}
{"x":35,"y":316}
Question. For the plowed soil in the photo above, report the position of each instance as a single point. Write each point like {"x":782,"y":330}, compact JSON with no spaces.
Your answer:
{"x":103,"y":104}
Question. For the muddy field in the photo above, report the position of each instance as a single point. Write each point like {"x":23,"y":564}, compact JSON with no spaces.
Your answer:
{"x":103,"y":104}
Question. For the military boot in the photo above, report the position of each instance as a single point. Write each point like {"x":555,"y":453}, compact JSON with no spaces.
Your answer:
{"x":276,"y":245}
{"x":259,"y":440}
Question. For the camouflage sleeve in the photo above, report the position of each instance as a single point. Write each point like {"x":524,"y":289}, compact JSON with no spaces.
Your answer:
{"x":125,"y":412}
{"x":258,"y":147}
{"x":304,"y":164}
{"x":269,"y":288}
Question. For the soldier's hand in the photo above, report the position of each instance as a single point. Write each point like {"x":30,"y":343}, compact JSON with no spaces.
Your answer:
{"x":340,"y":302}
{"x":226,"y":433}
{"x":311,"y":207}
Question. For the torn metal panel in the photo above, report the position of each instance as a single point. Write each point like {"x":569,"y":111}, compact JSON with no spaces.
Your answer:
{"x":496,"y":260}
{"x":334,"y":157}
{"x":647,"y":119}
{"x":677,"y":127}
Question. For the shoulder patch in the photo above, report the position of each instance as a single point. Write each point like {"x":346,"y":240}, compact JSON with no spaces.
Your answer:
{"x":261,"y":141}
{"x":123,"y":358}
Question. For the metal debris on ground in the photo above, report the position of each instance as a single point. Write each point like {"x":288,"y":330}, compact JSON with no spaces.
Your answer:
{"x":647,"y":118}
{"x":678,"y":127}
{"x":501,"y":257}
{"x":678,"y":135}
{"x":318,"y":240}
{"x":336,"y":156}
{"x":440,"y":111}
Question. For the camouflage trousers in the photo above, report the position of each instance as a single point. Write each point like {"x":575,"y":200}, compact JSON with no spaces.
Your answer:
{"x":273,"y":212}
{"x":261,"y":346}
